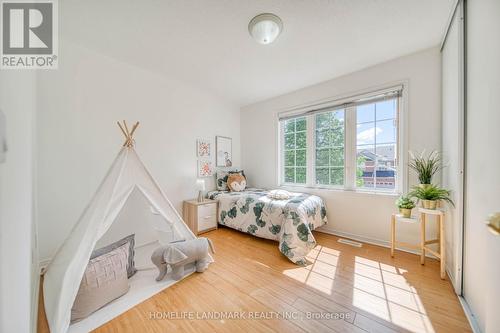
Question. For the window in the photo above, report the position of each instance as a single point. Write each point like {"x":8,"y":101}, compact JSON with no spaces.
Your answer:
{"x":353,"y":145}
{"x":295,"y":145}
{"x":329,"y":148}
{"x":376,"y":145}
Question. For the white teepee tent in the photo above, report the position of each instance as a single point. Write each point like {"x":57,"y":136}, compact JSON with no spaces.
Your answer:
{"x":64,"y":273}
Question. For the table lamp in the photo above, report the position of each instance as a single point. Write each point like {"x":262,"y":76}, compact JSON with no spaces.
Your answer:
{"x":200,"y":185}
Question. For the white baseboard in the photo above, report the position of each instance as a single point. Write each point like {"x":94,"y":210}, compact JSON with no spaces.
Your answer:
{"x":35,"y":289}
{"x":367,"y":240}
{"x":470,"y":316}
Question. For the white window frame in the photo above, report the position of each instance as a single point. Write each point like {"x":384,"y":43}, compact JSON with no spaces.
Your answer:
{"x":350,"y":163}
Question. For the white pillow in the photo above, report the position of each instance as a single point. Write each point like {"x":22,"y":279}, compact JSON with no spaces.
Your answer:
{"x":279,"y":194}
{"x":104,"y":280}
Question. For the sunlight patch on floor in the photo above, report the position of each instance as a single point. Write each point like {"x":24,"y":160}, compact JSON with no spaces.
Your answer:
{"x":410,"y":320}
{"x":320,"y":273}
{"x":299,"y":274}
{"x":260,"y":263}
{"x":379,"y":289}
{"x":396,"y":301}
{"x":380,"y":275}
{"x":328,"y":250}
{"x":320,"y":282}
{"x":379,"y":265}
{"x":325,"y":269}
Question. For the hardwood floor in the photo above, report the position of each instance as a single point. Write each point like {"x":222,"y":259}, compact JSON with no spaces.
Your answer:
{"x":374,"y":292}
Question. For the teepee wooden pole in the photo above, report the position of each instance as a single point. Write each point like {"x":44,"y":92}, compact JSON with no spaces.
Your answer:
{"x":126,"y":129}
{"x":129,"y":141}
{"x":133,"y":129}
{"x":123,"y":131}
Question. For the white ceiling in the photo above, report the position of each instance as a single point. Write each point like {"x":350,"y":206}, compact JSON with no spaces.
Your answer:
{"x":206,"y":42}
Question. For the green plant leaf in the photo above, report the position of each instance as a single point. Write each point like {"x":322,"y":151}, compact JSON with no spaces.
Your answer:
{"x":426,"y":166}
{"x":431,"y":192}
{"x":405,"y":202}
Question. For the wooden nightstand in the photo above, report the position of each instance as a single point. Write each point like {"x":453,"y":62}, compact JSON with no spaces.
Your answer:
{"x":200,"y":216}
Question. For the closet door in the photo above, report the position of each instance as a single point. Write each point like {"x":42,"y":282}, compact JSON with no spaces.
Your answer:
{"x":482,"y":248}
{"x":453,"y":142}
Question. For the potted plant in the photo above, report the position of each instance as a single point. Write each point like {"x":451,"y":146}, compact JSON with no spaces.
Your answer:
{"x":430,"y":195}
{"x":426,"y":166}
{"x":405,"y":205}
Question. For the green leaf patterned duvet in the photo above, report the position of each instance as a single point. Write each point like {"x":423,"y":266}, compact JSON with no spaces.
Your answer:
{"x":288,"y":221}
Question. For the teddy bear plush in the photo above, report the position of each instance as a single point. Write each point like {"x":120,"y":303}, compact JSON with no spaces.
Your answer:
{"x":236,"y":182}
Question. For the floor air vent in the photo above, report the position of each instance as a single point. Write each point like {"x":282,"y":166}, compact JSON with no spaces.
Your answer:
{"x":349,"y":242}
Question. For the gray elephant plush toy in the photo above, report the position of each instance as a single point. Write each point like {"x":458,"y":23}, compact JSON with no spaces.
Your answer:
{"x":178,"y":254}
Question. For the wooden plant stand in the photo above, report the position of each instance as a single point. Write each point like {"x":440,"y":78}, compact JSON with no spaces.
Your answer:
{"x":423,"y":246}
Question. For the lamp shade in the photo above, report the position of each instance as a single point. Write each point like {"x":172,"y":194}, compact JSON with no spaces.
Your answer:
{"x":265,"y":28}
{"x":200,"y":184}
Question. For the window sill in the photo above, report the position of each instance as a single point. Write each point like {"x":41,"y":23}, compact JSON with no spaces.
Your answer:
{"x":295,"y":187}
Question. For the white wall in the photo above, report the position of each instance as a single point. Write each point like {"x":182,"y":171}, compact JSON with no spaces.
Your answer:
{"x":357,"y":215}
{"x":79,"y":105}
{"x":482,"y":249}
{"x":18,"y":253}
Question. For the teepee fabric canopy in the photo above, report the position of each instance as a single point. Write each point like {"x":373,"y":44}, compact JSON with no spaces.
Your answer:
{"x":64,"y":273}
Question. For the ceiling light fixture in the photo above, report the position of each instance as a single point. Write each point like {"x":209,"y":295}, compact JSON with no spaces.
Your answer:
{"x":265,"y":28}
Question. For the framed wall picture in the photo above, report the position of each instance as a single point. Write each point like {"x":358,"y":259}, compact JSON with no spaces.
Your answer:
{"x":205,"y":168}
{"x":203,"y":148}
{"x":224,"y":147}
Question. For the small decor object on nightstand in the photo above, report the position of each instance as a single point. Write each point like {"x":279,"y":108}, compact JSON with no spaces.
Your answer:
{"x":200,"y":186}
{"x":224,"y":151}
{"x":200,"y":216}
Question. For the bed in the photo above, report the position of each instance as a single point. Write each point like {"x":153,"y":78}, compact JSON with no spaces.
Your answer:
{"x":288,"y":221}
